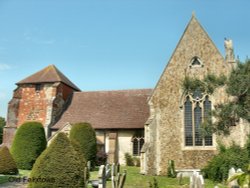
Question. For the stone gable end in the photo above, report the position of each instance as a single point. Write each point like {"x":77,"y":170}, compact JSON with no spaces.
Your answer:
{"x":166,"y":102}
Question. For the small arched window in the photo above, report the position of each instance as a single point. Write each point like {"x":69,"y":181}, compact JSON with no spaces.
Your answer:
{"x":195,"y":62}
{"x":137,"y":145}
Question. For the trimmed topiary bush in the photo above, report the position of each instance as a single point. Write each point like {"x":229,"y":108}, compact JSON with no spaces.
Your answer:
{"x":83,"y":161}
{"x":84,"y":134}
{"x":28,"y":144}
{"x":58,"y":166}
{"x":7,"y":163}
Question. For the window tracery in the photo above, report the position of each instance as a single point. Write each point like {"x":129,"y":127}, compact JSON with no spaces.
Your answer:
{"x":197,"y":107}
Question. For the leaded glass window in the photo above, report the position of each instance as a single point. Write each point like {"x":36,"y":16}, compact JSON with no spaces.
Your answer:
{"x":197,"y":124}
{"x":207,"y":110}
{"x":137,"y":145}
{"x":197,"y":108}
{"x":188,"y":123}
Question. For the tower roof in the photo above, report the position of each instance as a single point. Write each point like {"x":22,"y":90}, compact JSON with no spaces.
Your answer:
{"x":49,"y":74}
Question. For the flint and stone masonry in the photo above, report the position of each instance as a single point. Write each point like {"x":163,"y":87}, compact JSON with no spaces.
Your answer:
{"x":164,"y":130}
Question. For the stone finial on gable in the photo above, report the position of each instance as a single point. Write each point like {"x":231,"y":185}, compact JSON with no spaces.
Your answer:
{"x":193,"y":14}
{"x":228,"y":43}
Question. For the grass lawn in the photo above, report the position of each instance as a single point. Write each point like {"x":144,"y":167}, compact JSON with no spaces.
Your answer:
{"x":136,"y":180}
{"x":22,"y":173}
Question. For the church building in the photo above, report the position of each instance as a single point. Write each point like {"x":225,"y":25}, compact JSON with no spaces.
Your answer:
{"x":49,"y":97}
{"x":173,"y":129}
{"x":159,"y":124}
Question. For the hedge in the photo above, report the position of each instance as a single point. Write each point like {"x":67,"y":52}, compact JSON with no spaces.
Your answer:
{"x":58,"y":166}
{"x":7,"y":163}
{"x":29,"y":142}
{"x":233,"y":156}
{"x":84,"y":134}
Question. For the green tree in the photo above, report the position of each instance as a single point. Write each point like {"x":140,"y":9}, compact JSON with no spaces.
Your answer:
{"x":59,"y":165}
{"x":238,"y":88}
{"x":28,"y":144}
{"x":7,"y":163}
{"x":84,"y":134}
{"x":2,"y":124}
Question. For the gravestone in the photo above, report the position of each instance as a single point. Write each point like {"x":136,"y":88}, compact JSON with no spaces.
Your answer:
{"x":196,"y":180}
{"x":108,"y":171}
{"x":199,"y":182}
{"x":102,"y":177}
{"x":232,"y":184}
{"x":180,"y":178}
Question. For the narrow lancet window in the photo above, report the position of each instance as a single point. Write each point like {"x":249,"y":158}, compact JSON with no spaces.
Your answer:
{"x":207,"y":117}
{"x":188,"y":123}
{"x":197,"y":122}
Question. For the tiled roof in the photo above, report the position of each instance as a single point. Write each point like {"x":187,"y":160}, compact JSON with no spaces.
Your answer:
{"x":122,"y":109}
{"x":49,"y":74}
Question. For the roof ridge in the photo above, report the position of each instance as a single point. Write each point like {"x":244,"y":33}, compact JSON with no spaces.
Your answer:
{"x":118,"y":90}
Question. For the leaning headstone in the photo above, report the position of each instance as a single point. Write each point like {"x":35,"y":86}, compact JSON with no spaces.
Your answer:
{"x":122,"y":179}
{"x":107,"y":166}
{"x":199,"y":182}
{"x":102,"y":177}
{"x":180,"y":178}
{"x":108,"y":171}
{"x":117,"y":179}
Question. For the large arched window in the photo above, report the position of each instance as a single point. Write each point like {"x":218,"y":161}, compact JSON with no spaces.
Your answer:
{"x":137,"y":145}
{"x":197,"y":107}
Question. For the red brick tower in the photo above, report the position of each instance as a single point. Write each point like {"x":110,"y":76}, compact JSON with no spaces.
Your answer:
{"x":40,"y":97}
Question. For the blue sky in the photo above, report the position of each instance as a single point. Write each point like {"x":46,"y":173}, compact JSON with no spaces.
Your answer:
{"x":108,"y":44}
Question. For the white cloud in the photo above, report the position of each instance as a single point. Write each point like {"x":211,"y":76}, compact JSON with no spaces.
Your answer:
{"x":4,"y":66}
